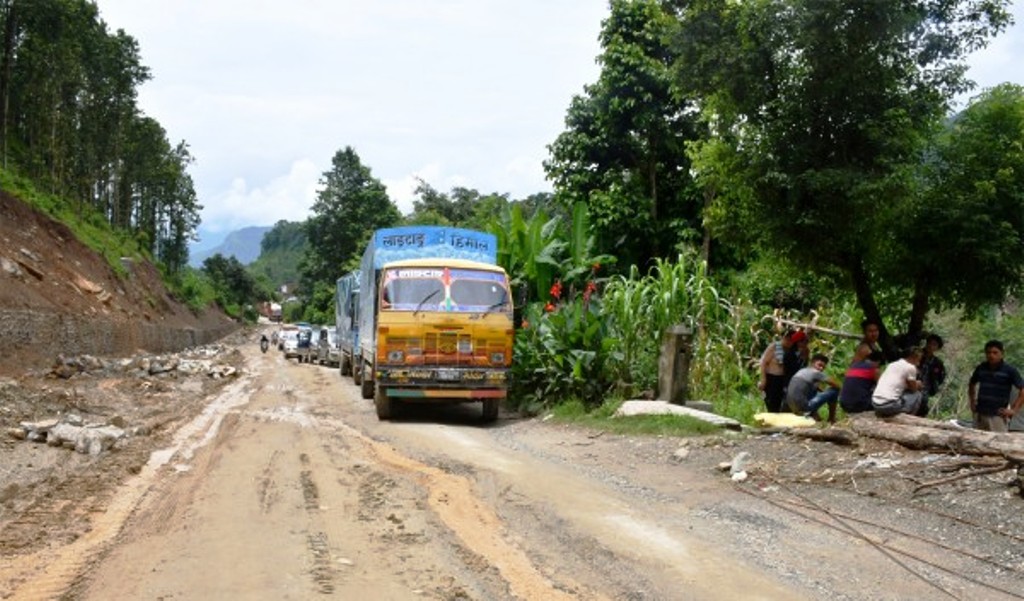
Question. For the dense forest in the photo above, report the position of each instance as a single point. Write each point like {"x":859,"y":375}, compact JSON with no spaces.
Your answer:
{"x":69,"y":122}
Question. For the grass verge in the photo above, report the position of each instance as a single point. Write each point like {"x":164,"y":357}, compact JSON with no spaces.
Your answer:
{"x":602,"y":418}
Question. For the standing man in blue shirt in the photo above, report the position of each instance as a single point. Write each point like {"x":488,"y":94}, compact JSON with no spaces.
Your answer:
{"x":989,"y":390}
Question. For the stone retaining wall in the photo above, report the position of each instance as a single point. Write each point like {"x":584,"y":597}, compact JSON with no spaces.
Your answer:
{"x":50,"y":334}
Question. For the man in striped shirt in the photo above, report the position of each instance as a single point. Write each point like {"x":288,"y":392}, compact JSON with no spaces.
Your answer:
{"x":989,"y":390}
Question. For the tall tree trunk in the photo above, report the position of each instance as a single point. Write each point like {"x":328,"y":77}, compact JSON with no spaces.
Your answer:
{"x":919,"y":310}
{"x":866,"y":300}
{"x":10,"y":29}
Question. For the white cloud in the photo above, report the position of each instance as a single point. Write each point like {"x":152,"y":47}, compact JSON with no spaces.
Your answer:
{"x":403,"y":190}
{"x":456,"y":92}
{"x":287,"y":197}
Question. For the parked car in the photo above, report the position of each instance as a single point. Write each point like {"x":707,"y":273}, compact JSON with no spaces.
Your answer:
{"x":327,"y":346}
{"x":279,"y":335}
{"x":304,"y":349}
{"x":289,"y":343}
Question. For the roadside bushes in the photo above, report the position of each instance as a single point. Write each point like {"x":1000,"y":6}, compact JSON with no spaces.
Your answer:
{"x":597,"y":343}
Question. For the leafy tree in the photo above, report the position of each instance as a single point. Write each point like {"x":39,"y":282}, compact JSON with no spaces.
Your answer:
{"x":233,"y":285}
{"x":623,"y":151}
{"x":70,"y":122}
{"x":281,"y":250}
{"x":965,"y":233}
{"x":461,"y":207}
{"x":820,"y":111}
{"x":349,"y":207}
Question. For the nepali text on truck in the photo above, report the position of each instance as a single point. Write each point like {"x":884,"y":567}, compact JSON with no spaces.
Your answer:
{"x":435,"y":319}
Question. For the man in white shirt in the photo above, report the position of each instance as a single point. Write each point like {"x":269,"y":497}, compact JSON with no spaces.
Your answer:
{"x":898,"y":389}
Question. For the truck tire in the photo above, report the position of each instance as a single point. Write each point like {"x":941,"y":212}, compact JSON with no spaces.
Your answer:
{"x":343,"y":366}
{"x":383,"y":403}
{"x":367,"y":383}
{"x":490,"y":410}
{"x":357,"y":371}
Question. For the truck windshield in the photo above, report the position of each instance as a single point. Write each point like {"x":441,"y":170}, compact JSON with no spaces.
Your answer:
{"x":443,"y":289}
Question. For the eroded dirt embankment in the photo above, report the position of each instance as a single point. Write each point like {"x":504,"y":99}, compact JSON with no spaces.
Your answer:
{"x":33,"y":339}
{"x":59,"y":296}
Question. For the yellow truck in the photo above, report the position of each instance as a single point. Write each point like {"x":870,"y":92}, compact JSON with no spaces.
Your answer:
{"x":435,"y":319}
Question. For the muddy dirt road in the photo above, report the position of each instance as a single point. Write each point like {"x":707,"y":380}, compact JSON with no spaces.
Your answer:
{"x":286,"y":486}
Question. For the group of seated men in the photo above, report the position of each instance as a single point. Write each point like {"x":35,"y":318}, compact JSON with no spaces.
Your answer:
{"x":795,"y":382}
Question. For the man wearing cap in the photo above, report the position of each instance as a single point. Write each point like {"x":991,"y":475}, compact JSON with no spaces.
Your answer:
{"x":773,"y":370}
{"x":989,"y":390}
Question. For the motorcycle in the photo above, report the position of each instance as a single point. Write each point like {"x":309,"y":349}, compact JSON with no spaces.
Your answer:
{"x":264,"y":344}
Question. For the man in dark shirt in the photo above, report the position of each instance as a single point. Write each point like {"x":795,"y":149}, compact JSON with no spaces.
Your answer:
{"x":932,"y":371}
{"x":989,"y":390}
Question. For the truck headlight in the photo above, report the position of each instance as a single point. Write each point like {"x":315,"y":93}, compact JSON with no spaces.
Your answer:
{"x":396,"y":356}
{"x":497,"y":357}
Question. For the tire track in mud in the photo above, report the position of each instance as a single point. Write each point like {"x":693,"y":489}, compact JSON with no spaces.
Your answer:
{"x":473,"y":522}
{"x":267,"y":488}
{"x":318,"y":543}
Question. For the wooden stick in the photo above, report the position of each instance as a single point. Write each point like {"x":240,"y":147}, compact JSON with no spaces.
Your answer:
{"x":817,"y":328}
{"x":971,"y":474}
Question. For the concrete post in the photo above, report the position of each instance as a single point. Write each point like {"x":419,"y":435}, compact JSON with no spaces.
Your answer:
{"x":674,"y":364}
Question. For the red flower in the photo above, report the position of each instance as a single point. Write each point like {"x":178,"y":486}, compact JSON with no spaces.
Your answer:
{"x":590,"y":289}
{"x":549,"y":307}
{"x":556,"y":290}
{"x":525,"y":324}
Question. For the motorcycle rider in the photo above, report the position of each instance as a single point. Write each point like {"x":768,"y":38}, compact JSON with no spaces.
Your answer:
{"x":264,"y":343}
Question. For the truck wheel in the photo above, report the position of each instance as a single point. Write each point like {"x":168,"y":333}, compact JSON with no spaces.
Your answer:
{"x":383,"y":403}
{"x":357,"y":371}
{"x":343,"y":366}
{"x":367,"y":382}
{"x":490,"y":410}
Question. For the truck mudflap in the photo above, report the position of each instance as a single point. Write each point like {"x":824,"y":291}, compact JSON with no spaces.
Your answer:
{"x":445,"y":393}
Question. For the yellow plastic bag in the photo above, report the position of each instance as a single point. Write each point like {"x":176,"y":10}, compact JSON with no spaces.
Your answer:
{"x":783,"y":420}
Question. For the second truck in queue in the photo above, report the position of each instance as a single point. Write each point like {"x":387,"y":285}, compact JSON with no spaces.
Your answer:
{"x":435,"y":319}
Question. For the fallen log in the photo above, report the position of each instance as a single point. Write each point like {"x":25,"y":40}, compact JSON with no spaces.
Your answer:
{"x":912,"y":420}
{"x":840,"y":436}
{"x":966,"y":442}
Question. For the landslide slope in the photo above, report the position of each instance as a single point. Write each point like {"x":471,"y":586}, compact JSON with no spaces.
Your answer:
{"x":58,"y":296}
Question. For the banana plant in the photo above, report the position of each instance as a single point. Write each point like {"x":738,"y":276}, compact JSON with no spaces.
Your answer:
{"x":528,"y":250}
{"x":580,"y":264}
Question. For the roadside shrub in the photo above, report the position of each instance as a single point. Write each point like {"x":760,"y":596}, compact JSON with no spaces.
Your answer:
{"x":193,"y":289}
{"x":561,"y":354}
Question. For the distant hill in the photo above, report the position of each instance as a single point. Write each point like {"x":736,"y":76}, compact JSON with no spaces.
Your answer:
{"x":243,"y":244}
{"x":283,"y":247}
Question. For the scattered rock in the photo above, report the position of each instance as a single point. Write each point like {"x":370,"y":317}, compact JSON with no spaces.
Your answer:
{"x":681,"y":454}
{"x":87,"y":286}
{"x":31,"y":255}
{"x":11,"y":268}
{"x":739,"y":463}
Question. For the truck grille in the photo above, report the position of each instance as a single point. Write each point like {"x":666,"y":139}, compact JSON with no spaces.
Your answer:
{"x":446,"y":348}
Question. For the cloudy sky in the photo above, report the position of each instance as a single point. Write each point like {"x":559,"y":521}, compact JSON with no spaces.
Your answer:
{"x":456,"y":92}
